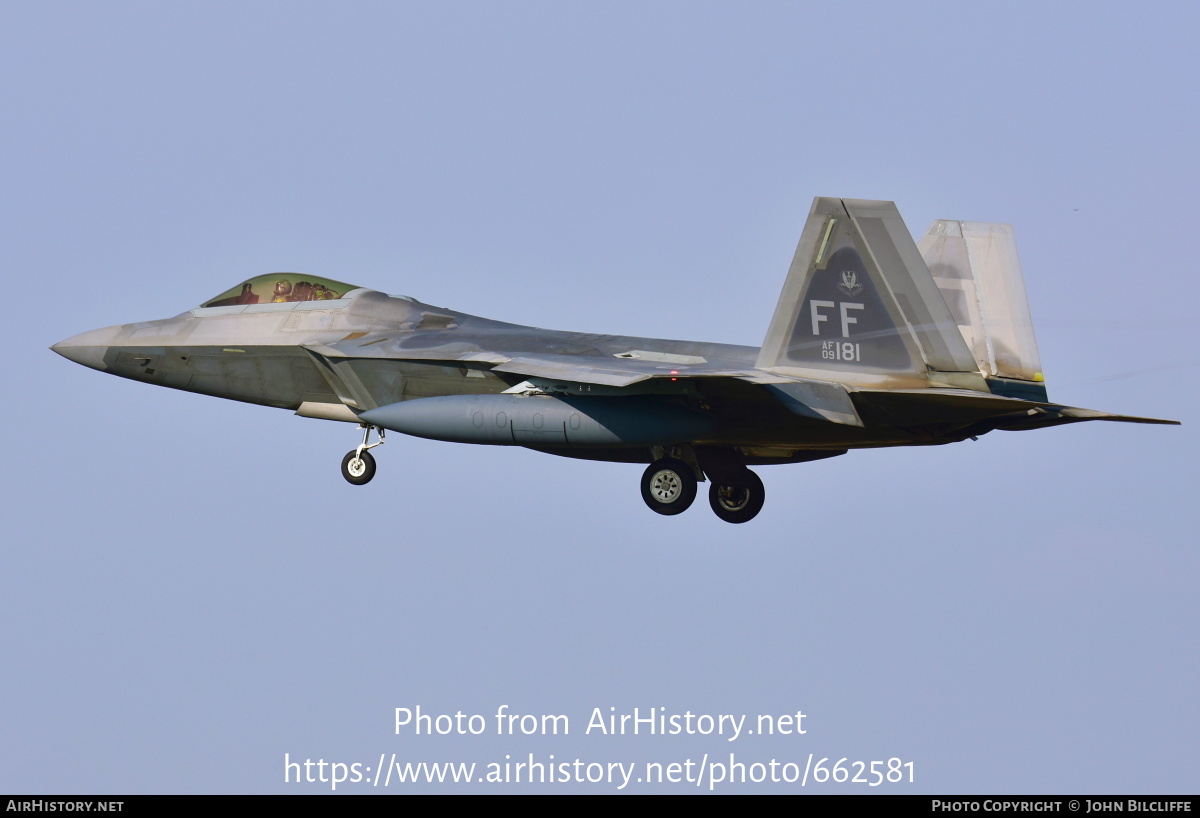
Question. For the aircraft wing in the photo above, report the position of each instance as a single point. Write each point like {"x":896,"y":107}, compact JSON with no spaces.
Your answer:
{"x":825,"y":400}
{"x":584,"y":370}
{"x":379,"y":346}
{"x":621,"y":371}
{"x":604,"y":370}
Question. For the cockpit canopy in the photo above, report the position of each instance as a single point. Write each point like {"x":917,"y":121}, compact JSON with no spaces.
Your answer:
{"x":274,"y":288}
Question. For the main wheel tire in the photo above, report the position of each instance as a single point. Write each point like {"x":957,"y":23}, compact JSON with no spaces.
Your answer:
{"x":738,"y":502}
{"x":358,"y":469}
{"x":669,"y":486}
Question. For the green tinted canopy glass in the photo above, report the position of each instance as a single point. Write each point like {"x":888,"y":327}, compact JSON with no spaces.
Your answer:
{"x":275,"y":288}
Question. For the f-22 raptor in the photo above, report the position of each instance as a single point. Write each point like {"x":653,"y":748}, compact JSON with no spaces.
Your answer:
{"x":876,"y":341}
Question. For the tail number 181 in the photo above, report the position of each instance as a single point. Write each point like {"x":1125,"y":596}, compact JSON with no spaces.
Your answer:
{"x":840,"y":351}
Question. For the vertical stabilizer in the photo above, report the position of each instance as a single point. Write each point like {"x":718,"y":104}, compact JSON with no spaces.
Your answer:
{"x":975,"y":265}
{"x":860,"y":307}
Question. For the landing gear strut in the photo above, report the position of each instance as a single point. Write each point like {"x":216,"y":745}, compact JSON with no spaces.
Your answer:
{"x":669,"y":486}
{"x":358,"y":466}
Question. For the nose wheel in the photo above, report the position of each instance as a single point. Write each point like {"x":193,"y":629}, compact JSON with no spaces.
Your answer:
{"x":358,"y":466}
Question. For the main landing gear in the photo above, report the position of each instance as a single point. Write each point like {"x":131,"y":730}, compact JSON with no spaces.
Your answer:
{"x":738,"y":502}
{"x":358,"y":466}
{"x":669,"y":487}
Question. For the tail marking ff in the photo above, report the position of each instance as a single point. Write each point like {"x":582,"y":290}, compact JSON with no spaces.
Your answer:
{"x":860,"y":302}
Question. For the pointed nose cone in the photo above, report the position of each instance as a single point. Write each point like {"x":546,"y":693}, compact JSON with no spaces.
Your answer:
{"x":88,"y":348}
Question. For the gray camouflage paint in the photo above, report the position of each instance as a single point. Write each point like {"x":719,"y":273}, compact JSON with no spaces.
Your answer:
{"x":863,"y":351}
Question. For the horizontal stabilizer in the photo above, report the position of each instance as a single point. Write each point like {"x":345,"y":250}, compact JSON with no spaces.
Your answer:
{"x":912,"y":407}
{"x":915,"y":407}
{"x":1092,"y":414}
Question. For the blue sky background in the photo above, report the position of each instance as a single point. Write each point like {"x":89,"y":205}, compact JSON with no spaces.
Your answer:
{"x":189,"y":590}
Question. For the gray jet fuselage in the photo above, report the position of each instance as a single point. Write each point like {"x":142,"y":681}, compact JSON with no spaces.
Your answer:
{"x":276,"y":355}
{"x":875,"y":341}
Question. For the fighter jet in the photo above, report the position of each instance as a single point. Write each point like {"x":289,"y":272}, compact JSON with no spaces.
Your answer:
{"x":876,"y":341}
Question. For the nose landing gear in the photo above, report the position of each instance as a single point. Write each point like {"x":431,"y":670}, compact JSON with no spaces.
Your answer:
{"x":358,"y":466}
